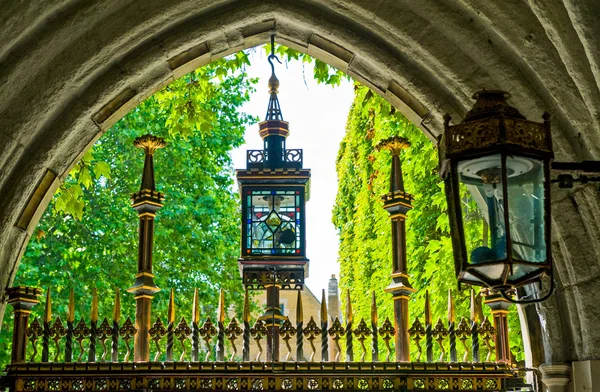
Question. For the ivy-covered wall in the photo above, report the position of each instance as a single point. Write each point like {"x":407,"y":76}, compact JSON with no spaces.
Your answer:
{"x":365,"y":253}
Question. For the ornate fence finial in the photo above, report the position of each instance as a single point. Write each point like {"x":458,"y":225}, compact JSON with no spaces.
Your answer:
{"x":127,"y":331}
{"x":208,"y":331}
{"x":417,"y":332}
{"x":81,"y":332}
{"x":258,"y":332}
{"x":336,"y":332}
{"x":440,"y":333}
{"x":286,"y":331}
{"x":157,"y":331}
{"x":362,"y":332}
{"x":311,"y":331}
{"x":487,"y":332}
{"x":387,"y":332}
{"x":57,"y":331}
{"x":232,"y":332}
{"x":182,"y":333}
{"x":462,"y":333}
{"x":104,"y":332}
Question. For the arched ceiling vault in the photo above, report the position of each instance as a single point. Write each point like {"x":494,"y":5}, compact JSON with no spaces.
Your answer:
{"x":69,"y":69}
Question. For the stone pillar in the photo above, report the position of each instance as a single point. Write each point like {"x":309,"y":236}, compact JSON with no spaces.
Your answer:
{"x":556,"y":377}
{"x":499,"y":307}
{"x":146,"y":202}
{"x":22,"y":299}
{"x":397,"y":203}
{"x":586,"y":376}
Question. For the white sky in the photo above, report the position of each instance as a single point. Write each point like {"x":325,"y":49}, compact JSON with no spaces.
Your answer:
{"x":317,"y":116}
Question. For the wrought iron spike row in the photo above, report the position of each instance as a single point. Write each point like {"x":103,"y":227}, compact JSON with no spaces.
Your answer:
{"x":440,"y":333}
{"x":337,"y":331}
{"x":127,"y":331}
{"x":258,"y":332}
{"x":463,"y":331}
{"x":232,"y":332}
{"x":182,"y":333}
{"x":80,"y":333}
{"x":207,"y":332}
{"x":287,"y":331}
{"x":487,"y":332}
{"x":33,"y":333}
{"x":387,"y":332}
{"x":362,"y":332}
{"x":157,"y":331}
{"x":416,"y":333}
{"x":311,"y":331}
{"x":105,"y":331}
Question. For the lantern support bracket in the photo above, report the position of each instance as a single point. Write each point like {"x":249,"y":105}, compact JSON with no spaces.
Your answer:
{"x":505,"y":295}
{"x":572,"y":172}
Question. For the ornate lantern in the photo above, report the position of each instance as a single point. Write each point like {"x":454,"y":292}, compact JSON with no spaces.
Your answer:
{"x":274,"y":188}
{"x":496,"y":166}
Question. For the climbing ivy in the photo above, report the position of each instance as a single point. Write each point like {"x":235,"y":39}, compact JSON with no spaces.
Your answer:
{"x":365,"y":252}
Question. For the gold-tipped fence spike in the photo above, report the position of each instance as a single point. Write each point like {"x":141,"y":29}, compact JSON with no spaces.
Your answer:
{"x":349,"y":314}
{"x":117,"y":307}
{"x":451,"y":312}
{"x":171,"y":309}
{"x":127,"y":331}
{"x":207,"y":332}
{"x":487,"y":332}
{"x":387,"y":332}
{"x":258,"y":332}
{"x":104,"y":332}
{"x":34,"y":331}
{"x":287,"y":331}
{"x":156,"y":332}
{"x":337,"y":331}
{"x":81,"y":332}
{"x":440,"y":333}
{"x":71,"y":308}
{"x":427,"y":309}
{"x":94,"y":312}
{"x":246,"y":315}
{"x":463,"y":331}
{"x":417,"y":332}
{"x":362,"y":332}
{"x":311,"y":331}
{"x":195,"y":308}
{"x":48,"y":308}
{"x":182,"y":333}
{"x":323,"y":307}
{"x":374,"y":317}
{"x":57,"y":331}
{"x":232,"y":332}
{"x":473,"y":308}
{"x":299,"y":310}
{"x":479,"y":307}
{"x":221,"y":307}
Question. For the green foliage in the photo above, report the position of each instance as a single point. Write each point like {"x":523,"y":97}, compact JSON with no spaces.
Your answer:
{"x":88,"y":235}
{"x":365,"y":252}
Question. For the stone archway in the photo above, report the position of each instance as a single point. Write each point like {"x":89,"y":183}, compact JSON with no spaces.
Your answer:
{"x":70,"y":69}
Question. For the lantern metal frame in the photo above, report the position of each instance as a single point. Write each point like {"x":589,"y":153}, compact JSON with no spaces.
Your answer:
{"x":494,"y":128}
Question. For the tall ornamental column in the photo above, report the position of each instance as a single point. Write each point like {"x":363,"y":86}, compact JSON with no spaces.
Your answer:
{"x":397,"y":203}
{"x":146,"y":202}
{"x":22,"y":299}
{"x":499,"y":307}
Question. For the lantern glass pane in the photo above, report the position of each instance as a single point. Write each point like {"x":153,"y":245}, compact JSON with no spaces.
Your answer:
{"x":274,"y":222}
{"x":482,"y":211}
{"x":525,"y":187}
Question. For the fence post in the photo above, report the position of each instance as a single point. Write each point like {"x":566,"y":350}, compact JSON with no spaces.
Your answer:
{"x":22,"y":299}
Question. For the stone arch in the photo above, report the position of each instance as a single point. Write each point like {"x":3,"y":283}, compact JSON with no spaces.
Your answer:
{"x":71,"y":68}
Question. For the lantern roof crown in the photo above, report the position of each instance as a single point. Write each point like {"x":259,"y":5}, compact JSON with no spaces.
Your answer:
{"x":492,"y":103}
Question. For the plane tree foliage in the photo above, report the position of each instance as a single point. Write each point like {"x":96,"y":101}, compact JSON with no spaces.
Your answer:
{"x":365,"y":252}
{"x":88,"y":237}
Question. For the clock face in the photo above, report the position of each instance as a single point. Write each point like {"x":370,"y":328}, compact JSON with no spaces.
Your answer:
{"x":273,"y":222}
